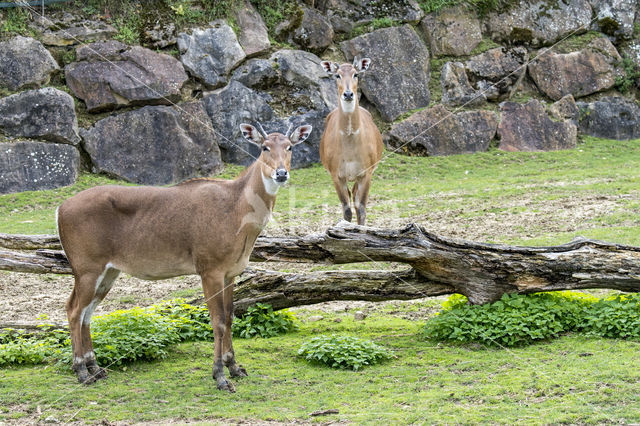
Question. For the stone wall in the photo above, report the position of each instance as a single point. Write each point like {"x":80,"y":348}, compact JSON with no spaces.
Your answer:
{"x":533,"y":77}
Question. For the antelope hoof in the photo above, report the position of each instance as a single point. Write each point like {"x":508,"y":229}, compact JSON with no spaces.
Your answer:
{"x":97,"y":373}
{"x":347,"y":214}
{"x":237,"y":371}
{"x":225,"y":385}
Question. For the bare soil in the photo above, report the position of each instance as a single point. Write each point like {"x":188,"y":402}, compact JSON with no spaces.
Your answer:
{"x":34,"y":298}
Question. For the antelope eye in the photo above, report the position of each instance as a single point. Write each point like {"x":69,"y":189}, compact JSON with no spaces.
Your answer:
{"x":355,"y":76}
{"x":265,"y":148}
{"x":338,"y":76}
{"x":289,"y":148}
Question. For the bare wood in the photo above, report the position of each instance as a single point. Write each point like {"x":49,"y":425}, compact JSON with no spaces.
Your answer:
{"x":483,"y":272}
{"x":39,"y":262}
{"x":29,"y":242}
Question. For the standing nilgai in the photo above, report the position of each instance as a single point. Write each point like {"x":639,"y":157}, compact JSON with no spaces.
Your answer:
{"x":202,"y":226}
{"x":351,"y":144}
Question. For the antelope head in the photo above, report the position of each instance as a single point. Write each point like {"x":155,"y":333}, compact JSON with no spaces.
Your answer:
{"x":346,"y":76}
{"x":275,"y":158}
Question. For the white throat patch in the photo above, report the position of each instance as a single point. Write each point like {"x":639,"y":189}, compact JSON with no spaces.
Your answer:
{"x":270,"y":185}
{"x":347,"y":107}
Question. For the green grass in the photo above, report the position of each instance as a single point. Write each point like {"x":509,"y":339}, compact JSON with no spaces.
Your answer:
{"x":572,"y":379}
{"x":437,"y":191}
{"x":569,"y":380}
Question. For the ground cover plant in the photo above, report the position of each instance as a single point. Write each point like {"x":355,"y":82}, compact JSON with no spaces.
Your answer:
{"x":516,"y":198}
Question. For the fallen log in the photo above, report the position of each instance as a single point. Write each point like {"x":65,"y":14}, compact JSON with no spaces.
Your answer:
{"x":482,"y":272}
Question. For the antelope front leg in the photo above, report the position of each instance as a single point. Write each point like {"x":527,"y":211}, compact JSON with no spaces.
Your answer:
{"x":343,"y":194}
{"x":213,"y":286}
{"x":360,"y":197}
{"x":228,"y":355}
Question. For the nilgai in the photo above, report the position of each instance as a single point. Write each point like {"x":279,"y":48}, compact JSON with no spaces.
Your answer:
{"x":351,"y":144}
{"x":201,"y":226}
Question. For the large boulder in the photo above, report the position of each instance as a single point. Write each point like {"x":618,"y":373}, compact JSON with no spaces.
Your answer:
{"x":527,"y":127}
{"x":615,"y":17}
{"x":253,"y":35}
{"x":611,"y":118}
{"x":315,"y":32}
{"x":452,"y":32}
{"x":210,"y":54}
{"x":34,"y":166}
{"x":24,"y":62}
{"x":580,"y":73}
{"x":230,"y":106}
{"x":398,"y":80}
{"x":256,"y":74}
{"x":155,"y":145}
{"x":302,"y":71}
{"x":538,"y":23}
{"x":456,"y":89}
{"x":564,"y":109}
{"x":109,"y":75}
{"x":436,"y":131}
{"x":497,"y":72}
{"x":47,"y":114}
{"x":345,"y":15}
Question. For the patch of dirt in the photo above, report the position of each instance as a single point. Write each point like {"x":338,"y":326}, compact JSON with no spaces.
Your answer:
{"x":26,"y":297}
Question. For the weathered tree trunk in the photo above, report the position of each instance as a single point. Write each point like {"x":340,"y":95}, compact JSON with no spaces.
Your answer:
{"x":482,"y":272}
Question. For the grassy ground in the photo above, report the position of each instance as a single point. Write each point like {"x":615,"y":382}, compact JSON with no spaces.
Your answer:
{"x":523,"y":198}
{"x":568,"y":380}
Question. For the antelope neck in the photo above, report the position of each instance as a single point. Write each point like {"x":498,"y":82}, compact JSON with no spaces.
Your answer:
{"x":350,"y":121}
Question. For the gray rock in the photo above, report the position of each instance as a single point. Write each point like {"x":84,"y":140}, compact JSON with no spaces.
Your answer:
{"x":34,"y":166}
{"x":436,"y":131}
{"x":527,"y":127}
{"x":345,"y":15}
{"x":497,"y":72}
{"x":109,"y":75}
{"x":303,"y":71}
{"x":581,"y":73}
{"x":210,"y":54}
{"x":456,"y":89}
{"x":615,"y":17}
{"x":253,"y":36}
{"x":359,"y":316}
{"x":611,"y":118}
{"x":256,"y":73}
{"x":315,"y":318}
{"x":315,"y":32}
{"x":46,"y":113}
{"x":564,"y":109}
{"x":161,"y":35}
{"x":398,"y":80}
{"x":453,"y":31}
{"x":71,"y":30}
{"x":155,"y":145}
{"x":230,"y":106}
{"x":24,"y":62}
{"x":538,"y":23}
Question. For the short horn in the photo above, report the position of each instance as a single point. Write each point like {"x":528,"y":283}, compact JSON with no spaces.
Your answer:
{"x":261,"y":130}
{"x":288,"y":134}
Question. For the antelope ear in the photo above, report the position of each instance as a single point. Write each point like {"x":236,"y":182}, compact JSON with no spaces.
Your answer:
{"x":362,"y":64}
{"x":300,"y":134}
{"x":330,"y":67}
{"x":251,"y":134}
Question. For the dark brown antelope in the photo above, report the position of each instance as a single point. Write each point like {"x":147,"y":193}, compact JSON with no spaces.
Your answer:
{"x":351,"y":144}
{"x":202,"y":226}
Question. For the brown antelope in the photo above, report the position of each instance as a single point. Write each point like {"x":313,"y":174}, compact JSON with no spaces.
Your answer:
{"x":201,"y":226}
{"x":351,"y":144}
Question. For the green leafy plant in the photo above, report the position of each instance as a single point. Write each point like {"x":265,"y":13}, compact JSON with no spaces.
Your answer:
{"x":192,"y":322}
{"x":511,"y":321}
{"x":17,"y":21}
{"x":25,"y":347}
{"x":630,"y":74}
{"x":343,"y":351}
{"x":617,"y":317}
{"x":261,"y":321}
{"x":132,"y":334}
